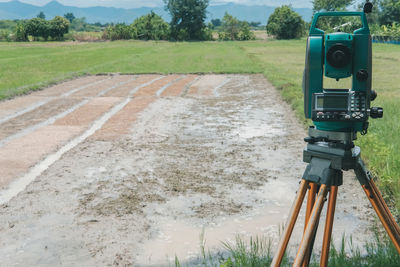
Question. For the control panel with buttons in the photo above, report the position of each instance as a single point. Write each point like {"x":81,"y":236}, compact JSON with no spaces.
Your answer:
{"x":340,"y":105}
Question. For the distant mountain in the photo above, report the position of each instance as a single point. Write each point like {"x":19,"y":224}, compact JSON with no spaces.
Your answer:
{"x":18,"y":10}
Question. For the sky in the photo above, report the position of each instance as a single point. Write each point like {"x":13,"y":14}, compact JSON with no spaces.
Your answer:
{"x":153,"y":3}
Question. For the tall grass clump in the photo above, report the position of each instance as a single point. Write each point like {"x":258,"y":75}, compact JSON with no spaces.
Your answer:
{"x":258,"y":252}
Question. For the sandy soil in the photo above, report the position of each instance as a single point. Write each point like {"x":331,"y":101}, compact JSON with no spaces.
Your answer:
{"x":130,"y":170}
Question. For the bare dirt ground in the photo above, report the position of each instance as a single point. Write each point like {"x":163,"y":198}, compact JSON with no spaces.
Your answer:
{"x":130,"y":170}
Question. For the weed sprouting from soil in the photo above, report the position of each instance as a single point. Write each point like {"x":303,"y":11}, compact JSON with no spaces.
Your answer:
{"x":258,"y":252}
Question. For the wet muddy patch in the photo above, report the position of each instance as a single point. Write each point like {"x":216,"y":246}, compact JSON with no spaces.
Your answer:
{"x":223,"y":160}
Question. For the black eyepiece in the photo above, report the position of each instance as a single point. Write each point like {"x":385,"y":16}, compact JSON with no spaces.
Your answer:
{"x":368,"y":7}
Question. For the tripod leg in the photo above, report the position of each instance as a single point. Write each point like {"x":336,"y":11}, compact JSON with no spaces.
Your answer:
{"x":310,"y":204}
{"x":311,"y":226}
{"x":378,"y":203}
{"x":395,"y":226}
{"x":294,"y":212}
{"x":386,"y":218}
{"x":328,"y":226}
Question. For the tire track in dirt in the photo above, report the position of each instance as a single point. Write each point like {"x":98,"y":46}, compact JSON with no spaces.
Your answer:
{"x":176,"y":89}
{"x":68,"y":126}
{"x":44,"y":140}
{"x":143,"y":96}
{"x":162,"y":89}
{"x":125,"y":90}
{"x":121,"y":122}
{"x":46,"y":128}
{"x":92,"y":91}
{"x":36,"y":116}
{"x":73,"y":86}
{"x":151,"y":90}
{"x":47,"y":119}
{"x":206,"y":84}
{"x":12,"y":108}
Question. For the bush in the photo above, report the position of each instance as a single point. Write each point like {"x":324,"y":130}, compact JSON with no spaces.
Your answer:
{"x":80,"y":25}
{"x":207,"y":33}
{"x":38,"y":27}
{"x":245,"y":33}
{"x":389,"y":30}
{"x":21,"y":34}
{"x":8,"y":25}
{"x":284,"y":23}
{"x":119,"y":32}
{"x":58,"y":27}
{"x":5,"y":36}
{"x":151,"y":27}
{"x":234,"y":29}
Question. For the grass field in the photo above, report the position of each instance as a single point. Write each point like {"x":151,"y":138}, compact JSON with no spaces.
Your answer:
{"x":25,"y":67}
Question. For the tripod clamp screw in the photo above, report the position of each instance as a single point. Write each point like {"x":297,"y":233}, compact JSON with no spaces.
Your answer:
{"x":312,"y":139}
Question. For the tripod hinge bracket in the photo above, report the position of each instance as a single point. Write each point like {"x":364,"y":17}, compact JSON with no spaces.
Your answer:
{"x":319,"y":171}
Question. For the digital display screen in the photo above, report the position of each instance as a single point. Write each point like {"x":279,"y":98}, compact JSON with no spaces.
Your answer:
{"x":332,"y":102}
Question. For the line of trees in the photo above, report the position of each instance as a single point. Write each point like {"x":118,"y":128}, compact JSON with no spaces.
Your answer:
{"x":41,"y":28}
{"x":188,"y":23}
{"x":147,"y":27}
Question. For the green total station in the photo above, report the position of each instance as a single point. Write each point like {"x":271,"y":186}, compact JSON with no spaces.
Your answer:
{"x":339,"y":55}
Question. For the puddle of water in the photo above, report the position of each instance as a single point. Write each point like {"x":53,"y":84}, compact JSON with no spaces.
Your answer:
{"x":182,"y":238}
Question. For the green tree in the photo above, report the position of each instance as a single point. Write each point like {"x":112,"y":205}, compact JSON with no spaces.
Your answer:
{"x":188,"y":19}
{"x":80,"y":25}
{"x":245,"y":32}
{"x":216,"y":22}
{"x":390,"y":12}
{"x":69,"y":16}
{"x":58,"y":27}
{"x":41,"y":15}
{"x":234,"y":29}
{"x":38,"y":27}
{"x":331,"y":5}
{"x":21,"y":34}
{"x":230,"y":27}
{"x":255,"y":24}
{"x":284,"y":23}
{"x":151,"y":27}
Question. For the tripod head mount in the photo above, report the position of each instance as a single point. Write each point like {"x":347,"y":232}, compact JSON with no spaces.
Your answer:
{"x":328,"y":153}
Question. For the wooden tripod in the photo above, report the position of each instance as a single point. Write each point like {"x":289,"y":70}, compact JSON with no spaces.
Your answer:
{"x":326,"y":161}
